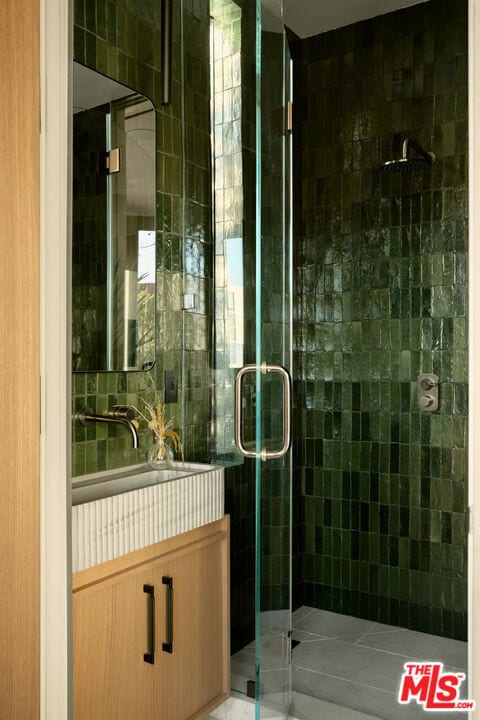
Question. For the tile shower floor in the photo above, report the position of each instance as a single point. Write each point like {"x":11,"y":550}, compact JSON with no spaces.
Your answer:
{"x":345,"y":668}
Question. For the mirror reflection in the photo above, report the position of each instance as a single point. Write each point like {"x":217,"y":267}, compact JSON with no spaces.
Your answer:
{"x":113,"y":268}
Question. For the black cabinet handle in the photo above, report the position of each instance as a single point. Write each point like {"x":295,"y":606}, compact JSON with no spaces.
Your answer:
{"x":149,"y":657}
{"x":168,"y":646}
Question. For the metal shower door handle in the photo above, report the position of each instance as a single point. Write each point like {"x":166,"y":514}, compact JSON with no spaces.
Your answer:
{"x":287,"y":406}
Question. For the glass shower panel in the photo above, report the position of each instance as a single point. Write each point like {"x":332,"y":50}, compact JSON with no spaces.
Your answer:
{"x":274,"y":347}
{"x":232,"y":121}
{"x":237,"y":305}
{"x":229,"y":39}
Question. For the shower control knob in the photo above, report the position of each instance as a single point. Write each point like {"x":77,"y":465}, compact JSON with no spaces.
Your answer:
{"x":427,"y":392}
{"x":426,"y":401}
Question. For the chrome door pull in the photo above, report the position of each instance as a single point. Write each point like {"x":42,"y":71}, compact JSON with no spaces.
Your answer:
{"x":287,"y":405}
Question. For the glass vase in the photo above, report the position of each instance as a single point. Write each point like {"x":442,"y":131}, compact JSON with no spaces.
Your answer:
{"x":159,"y":454}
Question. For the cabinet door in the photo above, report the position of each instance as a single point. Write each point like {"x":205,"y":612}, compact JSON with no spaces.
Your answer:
{"x":172,"y":672}
{"x":110,"y":638}
{"x":208,"y":624}
{"x":196,"y":672}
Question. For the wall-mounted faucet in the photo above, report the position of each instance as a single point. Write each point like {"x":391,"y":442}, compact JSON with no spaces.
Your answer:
{"x":120,"y":415}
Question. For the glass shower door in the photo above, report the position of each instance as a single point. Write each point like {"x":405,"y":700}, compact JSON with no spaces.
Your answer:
{"x":267,"y":382}
{"x":273,"y":345}
{"x":263,"y":387}
{"x":251,"y":199}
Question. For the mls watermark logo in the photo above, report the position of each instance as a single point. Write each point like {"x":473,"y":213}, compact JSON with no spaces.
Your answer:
{"x":428,"y":685}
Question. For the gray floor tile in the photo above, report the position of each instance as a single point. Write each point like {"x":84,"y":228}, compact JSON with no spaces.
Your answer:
{"x":346,"y":693}
{"x":346,"y":668}
{"x":334,"y":657}
{"x":300,"y":613}
{"x":243,"y":664}
{"x":333,"y":625}
{"x":299,"y":683}
{"x":309,"y":708}
{"x":275,"y":620}
{"x":451,"y":652}
{"x":303,"y":636}
{"x":418,"y":646}
{"x":383,"y":671}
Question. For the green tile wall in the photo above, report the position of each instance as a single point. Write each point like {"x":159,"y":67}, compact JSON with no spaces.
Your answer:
{"x":380,"y":273}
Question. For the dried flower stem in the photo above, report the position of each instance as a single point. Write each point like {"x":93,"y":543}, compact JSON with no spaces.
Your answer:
{"x":155,"y":419}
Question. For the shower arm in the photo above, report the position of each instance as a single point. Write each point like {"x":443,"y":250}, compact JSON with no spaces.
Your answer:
{"x":409,"y":143}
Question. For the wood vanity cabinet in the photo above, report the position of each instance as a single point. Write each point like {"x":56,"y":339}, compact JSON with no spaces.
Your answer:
{"x":127,"y":609}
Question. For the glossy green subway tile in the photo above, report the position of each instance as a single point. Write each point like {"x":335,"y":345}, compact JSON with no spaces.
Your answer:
{"x":402,"y":283}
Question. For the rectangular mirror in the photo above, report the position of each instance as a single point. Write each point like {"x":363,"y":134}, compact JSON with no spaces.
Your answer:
{"x":114,"y":237}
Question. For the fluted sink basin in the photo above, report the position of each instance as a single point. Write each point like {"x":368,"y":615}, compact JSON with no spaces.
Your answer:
{"x":118,"y":511}
{"x":106,"y":484}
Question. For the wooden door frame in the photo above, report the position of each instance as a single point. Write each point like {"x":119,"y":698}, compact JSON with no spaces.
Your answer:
{"x":56,"y":31}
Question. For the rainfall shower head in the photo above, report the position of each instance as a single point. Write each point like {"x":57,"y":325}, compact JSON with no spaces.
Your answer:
{"x":408,"y":164}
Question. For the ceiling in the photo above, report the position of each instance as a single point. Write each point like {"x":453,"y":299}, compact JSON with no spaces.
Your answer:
{"x":311,"y":17}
